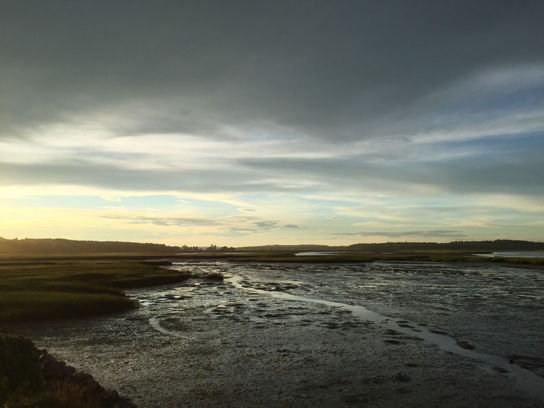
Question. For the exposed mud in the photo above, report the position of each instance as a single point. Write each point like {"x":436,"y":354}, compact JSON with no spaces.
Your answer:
{"x":275,"y":335}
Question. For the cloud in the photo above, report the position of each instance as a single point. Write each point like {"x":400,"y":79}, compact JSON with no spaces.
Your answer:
{"x":107,"y":176}
{"x":492,"y":172}
{"x":266,"y":104}
{"x":246,"y":209}
{"x":513,"y":166}
{"x":164,"y":221}
{"x":397,"y":234}
{"x":334,"y":71}
{"x":237,"y":224}
{"x":266,"y":225}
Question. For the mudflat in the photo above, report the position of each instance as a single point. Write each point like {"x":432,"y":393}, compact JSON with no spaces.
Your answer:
{"x":276,"y":335}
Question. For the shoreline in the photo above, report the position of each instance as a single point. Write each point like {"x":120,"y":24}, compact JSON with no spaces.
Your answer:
{"x":273,"y":256}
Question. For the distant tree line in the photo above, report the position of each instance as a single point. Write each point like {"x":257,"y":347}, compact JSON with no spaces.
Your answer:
{"x":296,"y":248}
{"x":211,"y":248}
{"x":496,"y":245}
{"x":66,"y":246}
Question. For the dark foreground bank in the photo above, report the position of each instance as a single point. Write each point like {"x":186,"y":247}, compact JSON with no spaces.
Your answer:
{"x":30,"y":377}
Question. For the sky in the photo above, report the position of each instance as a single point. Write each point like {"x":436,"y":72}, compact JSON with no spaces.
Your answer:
{"x":267,"y":122}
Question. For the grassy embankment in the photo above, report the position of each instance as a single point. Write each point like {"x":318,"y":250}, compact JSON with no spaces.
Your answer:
{"x":38,"y":290}
{"x":31,"y":378}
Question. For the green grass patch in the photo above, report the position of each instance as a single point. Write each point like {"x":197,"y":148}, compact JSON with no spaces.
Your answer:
{"x":27,"y":306}
{"x":49,"y":290}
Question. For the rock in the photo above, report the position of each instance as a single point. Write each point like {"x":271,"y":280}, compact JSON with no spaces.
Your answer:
{"x":401,"y":377}
{"x":392,"y":341}
{"x":465,"y":345}
{"x":438,"y":331}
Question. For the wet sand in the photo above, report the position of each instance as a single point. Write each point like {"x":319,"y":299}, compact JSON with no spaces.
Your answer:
{"x":381,"y":335}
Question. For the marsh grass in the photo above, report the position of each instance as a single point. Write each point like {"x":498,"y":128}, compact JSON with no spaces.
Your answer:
{"x":49,"y":290}
{"x":359,"y":257}
{"x":26,"y":306}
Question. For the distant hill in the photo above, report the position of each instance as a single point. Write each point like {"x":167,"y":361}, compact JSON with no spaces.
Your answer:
{"x":66,"y":246}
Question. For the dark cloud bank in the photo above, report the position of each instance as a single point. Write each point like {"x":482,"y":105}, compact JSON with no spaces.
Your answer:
{"x":334,"y":71}
{"x":329,"y":69}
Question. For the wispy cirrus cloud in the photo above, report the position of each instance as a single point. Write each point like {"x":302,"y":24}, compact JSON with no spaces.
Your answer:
{"x":233,"y":223}
{"x":399,"y":234}
{"x":164,"y":221}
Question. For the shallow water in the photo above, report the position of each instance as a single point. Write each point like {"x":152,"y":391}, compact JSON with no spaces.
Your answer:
{"x":380,"y":334}
{"x":516,"y":254}
{"x":315,"y":253}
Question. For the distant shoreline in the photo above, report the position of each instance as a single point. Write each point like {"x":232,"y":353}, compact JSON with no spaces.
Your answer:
{"x":280,"y":256}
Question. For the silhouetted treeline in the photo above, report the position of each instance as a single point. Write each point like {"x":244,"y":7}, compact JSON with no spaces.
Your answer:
{"x":296,"y":248}
{"x":66,"y":246}
{"x":211,"y":248}
{"x":496,"y":245}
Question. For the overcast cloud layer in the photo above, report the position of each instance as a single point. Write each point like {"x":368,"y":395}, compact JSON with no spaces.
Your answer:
{"x":325,"y":116}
